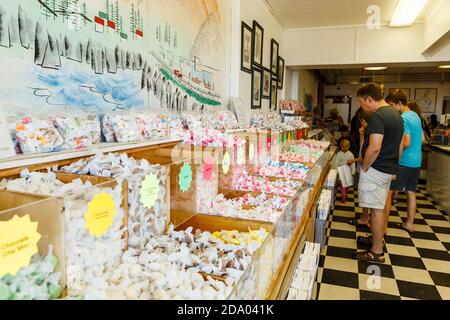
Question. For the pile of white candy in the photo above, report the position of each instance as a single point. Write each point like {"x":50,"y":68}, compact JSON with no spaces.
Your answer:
{"x":143,"y":223}
{"x":169,"y":268}
{"x":304,"y":278}
{"x":87,"y":256}
{"x":233,"y":208}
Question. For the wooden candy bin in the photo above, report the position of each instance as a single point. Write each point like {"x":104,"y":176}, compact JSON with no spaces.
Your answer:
{"x":257,"y":277}
{"x":47,"y":212}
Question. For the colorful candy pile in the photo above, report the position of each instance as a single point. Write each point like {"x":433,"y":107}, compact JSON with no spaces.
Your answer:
{"x":282,"y":170}
{"x":291,"y":105}
{"x":212,"y":138}
{"x":37,"y":136}
{"x":298,"y":158}
{"x":245,"y":182}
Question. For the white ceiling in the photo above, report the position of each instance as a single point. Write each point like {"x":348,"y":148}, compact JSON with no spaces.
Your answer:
{"x":320,"y":13}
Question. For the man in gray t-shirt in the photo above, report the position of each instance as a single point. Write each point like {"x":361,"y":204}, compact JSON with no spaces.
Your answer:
{"x":381,"y":152}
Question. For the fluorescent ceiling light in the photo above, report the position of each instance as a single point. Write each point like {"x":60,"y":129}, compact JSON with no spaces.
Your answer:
{"x":444,"y":67}
{"x":375,"y":68}
{"x":407,"y":12}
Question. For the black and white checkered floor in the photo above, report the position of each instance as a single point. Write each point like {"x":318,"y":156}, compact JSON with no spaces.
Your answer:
{"x":417,"y":266}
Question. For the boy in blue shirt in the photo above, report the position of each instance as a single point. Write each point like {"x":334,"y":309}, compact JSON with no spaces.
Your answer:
{"x":408,"y":174}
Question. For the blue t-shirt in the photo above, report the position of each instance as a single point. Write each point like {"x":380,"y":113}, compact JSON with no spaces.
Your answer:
{"x":412,"y":156}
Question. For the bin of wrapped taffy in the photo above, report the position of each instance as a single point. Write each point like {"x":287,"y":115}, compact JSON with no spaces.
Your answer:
{"x":32,"y":252}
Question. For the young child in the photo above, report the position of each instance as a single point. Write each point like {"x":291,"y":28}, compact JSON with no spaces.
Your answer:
{"x":344,"y":158}
{"x":364,"y":119}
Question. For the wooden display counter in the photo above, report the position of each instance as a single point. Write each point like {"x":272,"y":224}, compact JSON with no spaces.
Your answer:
{"x":160,"y":152}
{"x":283,"y":278}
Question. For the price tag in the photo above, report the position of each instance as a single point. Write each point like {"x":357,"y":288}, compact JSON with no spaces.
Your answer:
{"x":208,"y":169}
{"x":226,"y":163}
{"x":185,"y":178}
{"x":150,"y":191}
{"x":100,"y":214}
{"x":241,"y":156}
{"x":251,"y":152}
{"x":18,"y":243}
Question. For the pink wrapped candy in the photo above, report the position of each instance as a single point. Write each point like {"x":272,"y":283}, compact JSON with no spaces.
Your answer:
{"x":244,"y":182}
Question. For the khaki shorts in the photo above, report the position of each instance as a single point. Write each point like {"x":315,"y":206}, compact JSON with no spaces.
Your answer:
{"x":373,"y":189}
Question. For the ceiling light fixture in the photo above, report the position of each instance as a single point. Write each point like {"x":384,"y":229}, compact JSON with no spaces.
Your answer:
{"x":407,"y":12}
{"x":375,"y":68}
{"x":445,"y":67}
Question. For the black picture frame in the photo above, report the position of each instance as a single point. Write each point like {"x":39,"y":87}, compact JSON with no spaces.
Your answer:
{"x":274,"y":54}
{"x":256,"y":103}
{"x":274,"y":94}
{"x":245,"y":28}
{"x":281,"y":70}
{"x":257,"y":28}
{"x":266,"y":73}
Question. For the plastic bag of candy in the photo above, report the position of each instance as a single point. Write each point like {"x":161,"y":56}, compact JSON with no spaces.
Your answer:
{"x":37,"y":136}
{"x":74,"y":131}
{"x":126,"y":128}
{"x":107,"y":128}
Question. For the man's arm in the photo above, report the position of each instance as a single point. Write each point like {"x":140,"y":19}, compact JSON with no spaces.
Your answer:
{"x":406,"y":141}
{"x":373,"y":151}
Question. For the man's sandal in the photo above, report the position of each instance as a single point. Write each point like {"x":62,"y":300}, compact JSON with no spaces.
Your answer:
{"x":355,"y":222}
{"x":370,"y":256}
{"x":367,"y":241}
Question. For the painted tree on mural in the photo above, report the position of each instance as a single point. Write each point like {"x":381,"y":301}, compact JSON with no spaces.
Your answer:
{"x":64,"y":9}
{"x":85,"y":14}
{"x":116,"y":17}
{"x":133,"y":21}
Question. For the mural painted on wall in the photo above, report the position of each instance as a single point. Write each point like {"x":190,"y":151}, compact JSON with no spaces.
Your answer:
{"x":188,"y":48}
{"x":106,"y":55}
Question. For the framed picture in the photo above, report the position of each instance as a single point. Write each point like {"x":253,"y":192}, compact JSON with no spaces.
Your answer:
{"x":266,"y":82}
{"x":256,"y":88}
{"x":257,"y":44}
{"x":246,"y":48}
{"x":274,"y":94}
{"x":274,"y":54}
{"x":404,"y":90}
{"x":426,"y":98}
{"x":281,"y":64}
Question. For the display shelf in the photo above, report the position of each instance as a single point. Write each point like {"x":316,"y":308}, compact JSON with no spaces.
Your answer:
{"x":280,"y":283}
{"x":15,"y":165}
{"x":314,"y":133}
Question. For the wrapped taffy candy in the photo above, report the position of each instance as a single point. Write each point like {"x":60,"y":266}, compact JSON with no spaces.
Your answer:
{"x":245,"y":182}
{"x":37,"y":281}
{"x":233,"y":208}
{"x":212,"y":138}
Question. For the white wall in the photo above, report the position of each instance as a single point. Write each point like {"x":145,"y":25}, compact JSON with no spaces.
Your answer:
{"x":351,"y":90}
{"x":308,"y":83}
{"x":437,"y":23}
{"x":258,"y":10}
{"x":358,"y":45}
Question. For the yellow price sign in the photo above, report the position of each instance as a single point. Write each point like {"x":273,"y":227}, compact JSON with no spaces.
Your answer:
{"x":100,"y":214}
{"x":18,"y":243}
{"x":226,"y":163}
{"x":150,"y":191}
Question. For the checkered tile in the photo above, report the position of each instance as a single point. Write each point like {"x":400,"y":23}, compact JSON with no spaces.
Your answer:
{"x":417,"y":266}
